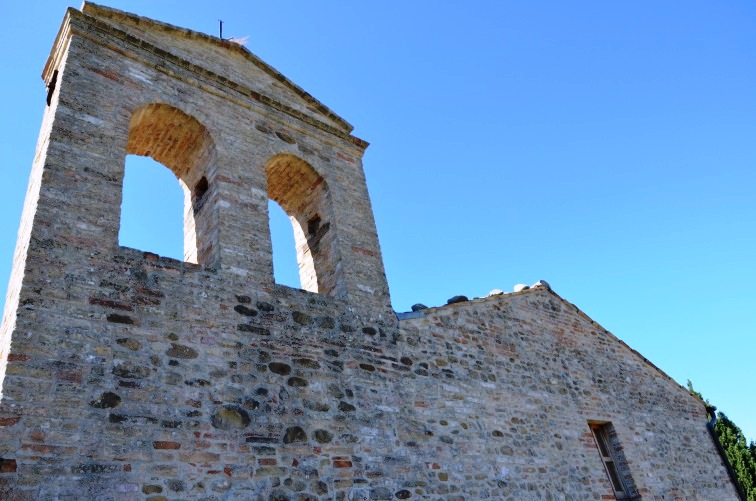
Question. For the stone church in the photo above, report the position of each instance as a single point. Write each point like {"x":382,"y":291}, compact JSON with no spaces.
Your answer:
{"x":126,"y":375}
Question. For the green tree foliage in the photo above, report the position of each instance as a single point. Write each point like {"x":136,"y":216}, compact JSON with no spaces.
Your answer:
{"x":696,"y":393}
{"x":742,"y":456}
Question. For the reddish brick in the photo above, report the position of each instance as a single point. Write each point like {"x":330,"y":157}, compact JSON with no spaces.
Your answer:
{"x":344,"y":157}
{"x":163,"y":444}
{"x":316,"y":183}
{"x":365,"y":252}
{"x":107,"y":74}
{"x":7,"y":465}
{"x":11,"y":421}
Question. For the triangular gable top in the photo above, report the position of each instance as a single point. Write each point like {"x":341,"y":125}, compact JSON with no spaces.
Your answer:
{"x":539,"y":288}
{"x":223,"y":57}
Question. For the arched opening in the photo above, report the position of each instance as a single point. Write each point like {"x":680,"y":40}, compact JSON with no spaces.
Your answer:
{"x":151,"y":209}
{"x":303,"y":194}
{"x":285,"y":267}
{"x":178,"y":141}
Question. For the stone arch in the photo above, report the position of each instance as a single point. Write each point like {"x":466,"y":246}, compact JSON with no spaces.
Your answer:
{"x":181,"y":143}
{"x":304,"y":195}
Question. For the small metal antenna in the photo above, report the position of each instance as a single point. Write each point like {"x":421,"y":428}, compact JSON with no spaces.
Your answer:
{"x":221,"y":29}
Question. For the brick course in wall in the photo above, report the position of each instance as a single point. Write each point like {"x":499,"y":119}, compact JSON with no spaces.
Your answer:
{"x":126,"y":375}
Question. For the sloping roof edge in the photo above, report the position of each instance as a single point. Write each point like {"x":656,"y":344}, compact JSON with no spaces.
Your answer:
{"x":102,"y":11}
{"x":580,"y":313}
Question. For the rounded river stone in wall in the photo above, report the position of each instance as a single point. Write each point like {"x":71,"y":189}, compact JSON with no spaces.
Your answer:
{"x":230,"y":417}
{"x":280,"y":368}
{"x":181,"y":351}
{"x":323,"y":436}
{"x":297,"y":382}
{"x":107,"y":400}
{"x":295,"y":434}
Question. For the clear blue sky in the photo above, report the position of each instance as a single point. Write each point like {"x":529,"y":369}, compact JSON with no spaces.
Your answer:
{"x":606,"y":147}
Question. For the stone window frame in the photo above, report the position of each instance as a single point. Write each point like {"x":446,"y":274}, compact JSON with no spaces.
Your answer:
{"x":604,"y":437}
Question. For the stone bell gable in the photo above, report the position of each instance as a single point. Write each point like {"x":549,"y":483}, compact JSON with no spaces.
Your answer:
{"x":234,"y":132}
{"x":126,"y":375}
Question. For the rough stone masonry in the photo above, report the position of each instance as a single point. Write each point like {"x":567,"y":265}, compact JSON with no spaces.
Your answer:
{"x":126,"y":375}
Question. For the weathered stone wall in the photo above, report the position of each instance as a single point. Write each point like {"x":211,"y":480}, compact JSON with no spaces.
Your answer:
{"x":190,"y":390}
{"x":526,"y":373}
{"x":131,"y":376}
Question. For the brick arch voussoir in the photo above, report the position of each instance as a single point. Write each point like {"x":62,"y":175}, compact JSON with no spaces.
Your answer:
{"x":292,"y":181}
{"x":171,"y":137}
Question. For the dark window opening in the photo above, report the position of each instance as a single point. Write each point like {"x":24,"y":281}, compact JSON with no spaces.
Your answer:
{"x":312,"y":225}
{"x":198,"y":196}
{"x":613,"y":459}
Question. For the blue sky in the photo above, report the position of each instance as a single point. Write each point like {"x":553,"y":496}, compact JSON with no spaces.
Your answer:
{"x":606,"y":147}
